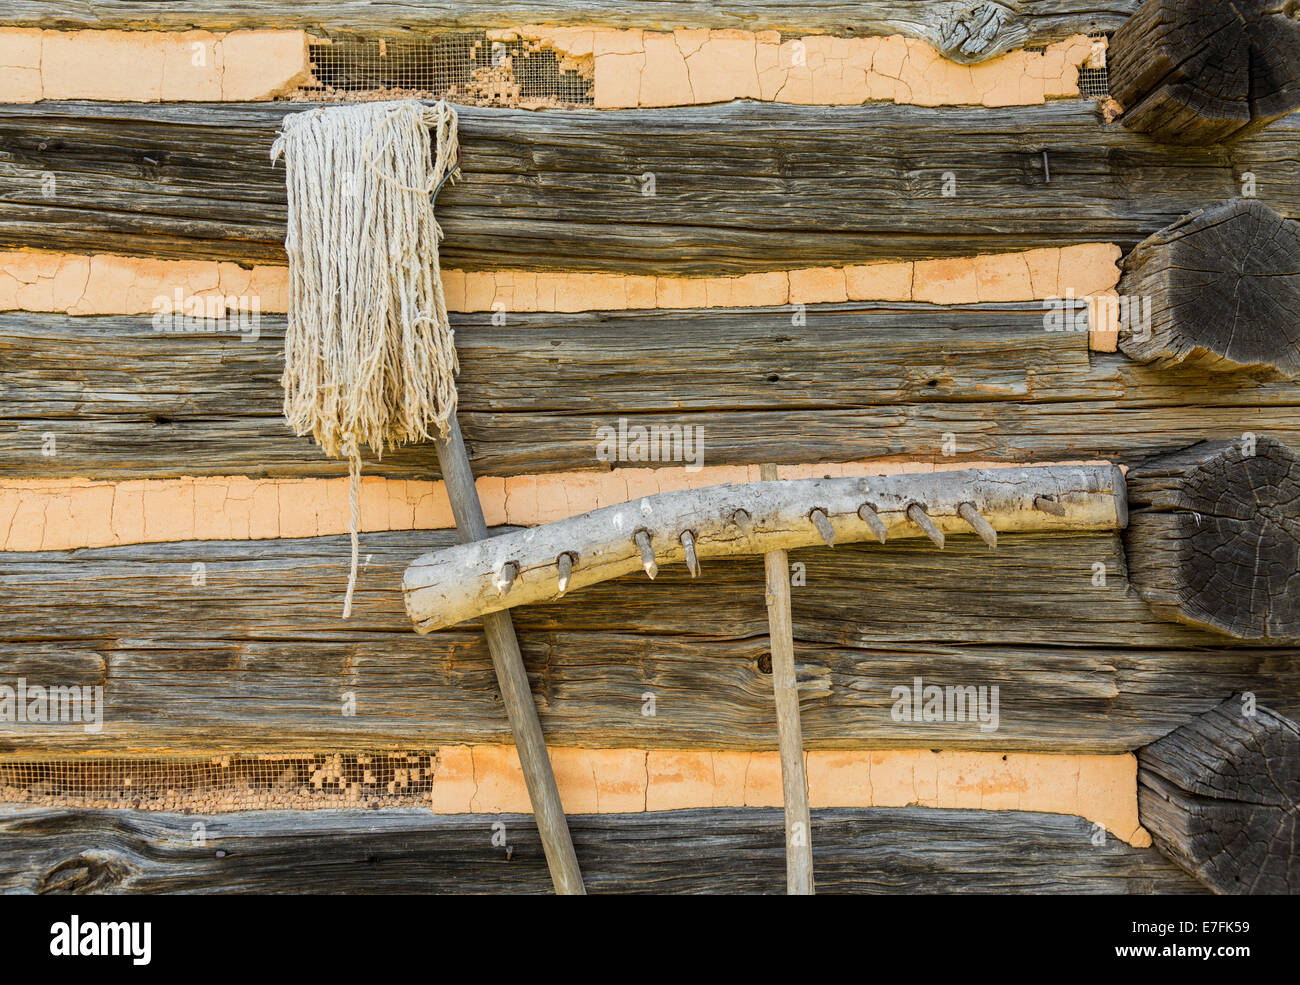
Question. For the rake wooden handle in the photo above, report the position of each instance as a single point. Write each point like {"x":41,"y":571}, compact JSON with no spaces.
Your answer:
{"x":785,"y":690}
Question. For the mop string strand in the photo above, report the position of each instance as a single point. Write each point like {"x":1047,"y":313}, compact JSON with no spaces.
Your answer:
{"x":370,"y":356}
{"x":446,"y":135}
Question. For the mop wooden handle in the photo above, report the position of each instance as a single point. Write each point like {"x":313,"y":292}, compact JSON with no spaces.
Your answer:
{"x":512,"y":678}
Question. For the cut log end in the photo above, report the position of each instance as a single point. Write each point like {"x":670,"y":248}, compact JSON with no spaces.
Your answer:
{"x":1214,"y":538}
{"x":1219,"y":290}
{"x":1199,"y":72}
{"x":1220,"y":797}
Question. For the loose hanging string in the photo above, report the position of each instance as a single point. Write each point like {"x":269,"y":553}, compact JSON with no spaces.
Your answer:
{"x":369,"y":354}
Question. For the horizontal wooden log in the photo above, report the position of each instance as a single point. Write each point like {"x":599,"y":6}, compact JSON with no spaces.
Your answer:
{"x":738,"y":187}
{"x":1200,"y":71}
{"x":967,"y":31}
{"x":256,"y":658}
{"x":855,"y":381}
{"x":1215,"y":537}
{"x":911,"y":850}
{"x":1220,"y":291}
{"x":1220,"y":796}
{"x":450,"y":586}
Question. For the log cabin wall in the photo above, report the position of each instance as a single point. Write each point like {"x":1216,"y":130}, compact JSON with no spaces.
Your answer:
{"x":898,"y":240}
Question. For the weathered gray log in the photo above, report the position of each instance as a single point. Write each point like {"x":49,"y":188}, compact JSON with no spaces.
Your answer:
{"x":1214,"y":539}
{"x":785,"y":689}
{"x":257,"y":659}
{"x":1221,"y":797}
{"x":1200,"y":71}
{"x":739,"y":187}
{"x":908,"y":850}
{"x":447,"y":587}
{"x":1220,"y":291}
{"x":855,"y":381}
{"x":965,"y":31}
{"x":508,"y":664}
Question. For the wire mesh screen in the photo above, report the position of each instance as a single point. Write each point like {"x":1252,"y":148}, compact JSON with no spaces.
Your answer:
{"x":211,"y":784}
{"x":1094,"y":83}
{"x":466,"y":67}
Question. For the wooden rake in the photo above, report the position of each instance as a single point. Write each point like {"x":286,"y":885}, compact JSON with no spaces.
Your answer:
{"x":485,"y":577}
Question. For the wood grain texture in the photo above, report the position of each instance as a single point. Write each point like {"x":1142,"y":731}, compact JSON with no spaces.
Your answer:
{"x":964,"y":31}
{"x":1223,"y":285}
{"x":257,"y":658}
{"x":856,"y":381}
{"x":909,"y":850}
{"x":1200,"y":71}
{"x":1221,"y":796}
{"x":738,"y":187}
{"x":1214,"y":537}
